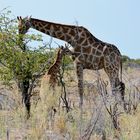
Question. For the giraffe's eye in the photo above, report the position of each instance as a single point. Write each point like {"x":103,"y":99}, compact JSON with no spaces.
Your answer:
{"x":22,"y":29}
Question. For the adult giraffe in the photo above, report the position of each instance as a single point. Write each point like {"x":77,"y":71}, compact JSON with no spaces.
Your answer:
{"x":89,"y":52}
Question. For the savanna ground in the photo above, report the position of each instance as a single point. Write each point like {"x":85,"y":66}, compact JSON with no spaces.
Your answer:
{"x":50,"y":121}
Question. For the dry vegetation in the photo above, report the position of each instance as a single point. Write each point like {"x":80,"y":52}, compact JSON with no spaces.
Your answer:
{"x":50,"y":121}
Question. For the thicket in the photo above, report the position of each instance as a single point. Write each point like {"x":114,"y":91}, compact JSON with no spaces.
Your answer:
{"x":128,"y":60}
{"x":19,"y":61}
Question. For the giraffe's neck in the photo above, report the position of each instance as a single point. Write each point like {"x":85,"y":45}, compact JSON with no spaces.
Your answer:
{"x":58,"y":59}
{"x":59,"y":31}
{"x":74,"y":35}
{"x":54,"y":69}
{"x":21,"y":42}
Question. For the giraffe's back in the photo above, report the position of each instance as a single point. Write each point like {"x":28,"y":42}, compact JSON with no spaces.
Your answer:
{"x":90,"y":57}
{"x":97,"y":56}
{"x":112,"y":55}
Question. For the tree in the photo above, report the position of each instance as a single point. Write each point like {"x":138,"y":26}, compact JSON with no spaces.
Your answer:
{"x":125,"y":59}
{"x":18,"y":61}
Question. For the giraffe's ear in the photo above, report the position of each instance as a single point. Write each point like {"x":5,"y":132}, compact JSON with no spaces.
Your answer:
{"x":29,"y":18}
{"x":66,"y":46}
{"x":61,"y":47}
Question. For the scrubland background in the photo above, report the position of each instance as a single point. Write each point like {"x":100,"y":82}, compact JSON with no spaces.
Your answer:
{"x":55,"y":113}
{"x":49,"y":119}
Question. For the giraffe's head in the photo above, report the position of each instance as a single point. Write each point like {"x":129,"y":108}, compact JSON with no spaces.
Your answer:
{"x":24,"y":24}
{"x":62,"y":51}
{"x":65,"y":50}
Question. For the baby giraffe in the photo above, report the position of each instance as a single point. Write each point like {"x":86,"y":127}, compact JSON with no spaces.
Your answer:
{"x":54,"y":70}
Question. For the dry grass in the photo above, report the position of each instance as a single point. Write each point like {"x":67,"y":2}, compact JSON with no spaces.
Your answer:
{"x":49,"y":124}
{"x":130,"y":126}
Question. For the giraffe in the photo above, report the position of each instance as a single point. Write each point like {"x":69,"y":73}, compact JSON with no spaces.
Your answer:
{"x":89,"y":52}
{"x":54,"y":70}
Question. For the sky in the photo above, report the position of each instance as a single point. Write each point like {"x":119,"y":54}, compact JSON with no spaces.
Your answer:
{"x":113,"y":21}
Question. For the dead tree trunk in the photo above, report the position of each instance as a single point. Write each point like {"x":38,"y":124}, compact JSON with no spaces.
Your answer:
{"x":24,"y":86}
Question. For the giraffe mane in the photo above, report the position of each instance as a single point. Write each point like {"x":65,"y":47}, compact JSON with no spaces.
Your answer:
{"x":54,"y":70}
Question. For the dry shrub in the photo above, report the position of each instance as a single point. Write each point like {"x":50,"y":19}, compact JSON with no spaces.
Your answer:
{"x":130,"y":128}
{"x":61,"y":125}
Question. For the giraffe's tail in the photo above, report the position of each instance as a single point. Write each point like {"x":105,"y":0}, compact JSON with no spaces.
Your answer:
{"x":122,"y":85}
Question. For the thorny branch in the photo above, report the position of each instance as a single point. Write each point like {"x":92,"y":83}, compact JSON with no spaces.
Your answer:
{"x":113,"y":107}
{"x":91,"y":126}
{"x":61,"y":77}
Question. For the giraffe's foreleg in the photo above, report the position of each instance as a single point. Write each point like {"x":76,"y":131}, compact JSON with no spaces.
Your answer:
{"x":80,"y":82}
{"x":79,"y":70}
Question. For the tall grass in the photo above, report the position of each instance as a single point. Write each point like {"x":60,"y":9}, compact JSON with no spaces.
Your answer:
{"x":50,"y":120}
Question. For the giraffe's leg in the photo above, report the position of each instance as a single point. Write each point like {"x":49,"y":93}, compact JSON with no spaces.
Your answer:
{"x":118,"y":90}
{"x":112,"y":66}
{"x":79,"y":71}
{"x":118,"y":87}
{"x":114,"y":81}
